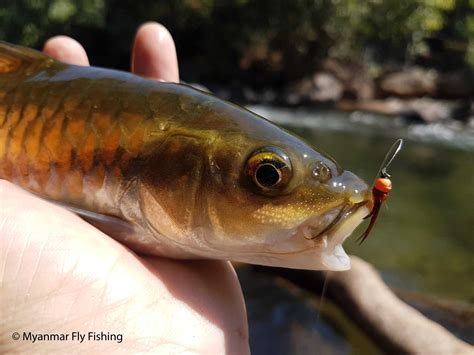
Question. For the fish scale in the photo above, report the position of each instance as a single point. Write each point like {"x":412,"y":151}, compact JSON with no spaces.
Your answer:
{"x":60,"y":146}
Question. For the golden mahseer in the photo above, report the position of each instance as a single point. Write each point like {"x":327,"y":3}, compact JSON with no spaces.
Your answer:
{"x":170,"y":170}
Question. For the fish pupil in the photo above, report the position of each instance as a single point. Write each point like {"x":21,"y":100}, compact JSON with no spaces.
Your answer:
{"x":267,"y":175}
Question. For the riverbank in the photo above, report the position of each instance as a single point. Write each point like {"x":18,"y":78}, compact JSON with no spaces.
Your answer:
{"x":418,"y":95}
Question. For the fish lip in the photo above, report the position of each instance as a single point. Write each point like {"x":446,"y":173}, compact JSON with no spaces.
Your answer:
{"x":341,"y":213}
{"x":334,"y":257}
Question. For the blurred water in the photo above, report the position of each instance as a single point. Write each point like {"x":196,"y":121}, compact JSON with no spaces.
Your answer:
{"x":422,"y":242}
{"x":284,"y":319}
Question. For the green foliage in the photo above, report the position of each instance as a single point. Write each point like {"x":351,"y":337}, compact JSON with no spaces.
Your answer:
{"x":263,"y":42}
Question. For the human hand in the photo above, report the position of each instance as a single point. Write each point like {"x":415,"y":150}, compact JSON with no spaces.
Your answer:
{"x":61,"y":275}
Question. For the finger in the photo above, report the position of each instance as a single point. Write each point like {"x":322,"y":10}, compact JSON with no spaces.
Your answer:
{"x":154,"y":53}
{"x":67,"y":50}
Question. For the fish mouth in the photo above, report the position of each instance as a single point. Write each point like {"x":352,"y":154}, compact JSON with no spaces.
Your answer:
{"x":332,"y":229}
{"x":315,"y":228}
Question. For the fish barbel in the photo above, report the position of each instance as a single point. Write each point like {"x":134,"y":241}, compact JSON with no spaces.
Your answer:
{"x":170,"y":170}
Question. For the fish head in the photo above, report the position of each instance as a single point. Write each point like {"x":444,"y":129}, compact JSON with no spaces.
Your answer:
{"x":285,"y":205}
{"x":271,"y":204}
{"x":240,"y":188}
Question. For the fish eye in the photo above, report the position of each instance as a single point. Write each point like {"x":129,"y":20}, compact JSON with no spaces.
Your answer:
{"x":321,"y":172}
{"x":269,"y":168}
{"x":267,"y":175}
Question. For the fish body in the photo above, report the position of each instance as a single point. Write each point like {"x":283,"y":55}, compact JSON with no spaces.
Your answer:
{"x":178,"y":171}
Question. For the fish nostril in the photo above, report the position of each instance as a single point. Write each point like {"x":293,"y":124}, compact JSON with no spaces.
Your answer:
{"x":321,"y":172}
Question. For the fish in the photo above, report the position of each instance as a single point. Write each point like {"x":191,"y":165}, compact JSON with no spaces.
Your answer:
{"x":170,"y":170}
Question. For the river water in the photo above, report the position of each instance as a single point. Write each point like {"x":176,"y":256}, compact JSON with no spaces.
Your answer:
{"x":423,"y":240}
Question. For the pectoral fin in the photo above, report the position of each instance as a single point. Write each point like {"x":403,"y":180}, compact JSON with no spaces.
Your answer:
{"x":131,"y":235}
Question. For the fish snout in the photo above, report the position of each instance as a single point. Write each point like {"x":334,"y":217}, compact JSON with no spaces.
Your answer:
{"x":352,"y":186}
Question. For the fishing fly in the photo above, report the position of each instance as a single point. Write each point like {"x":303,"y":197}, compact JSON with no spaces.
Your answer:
{"x":381,"y":189}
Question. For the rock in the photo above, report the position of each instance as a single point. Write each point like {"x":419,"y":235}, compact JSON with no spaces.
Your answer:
{"x":385,"y":107}
{"x":298,"y":92}
{"x":418,"y":110}
{"x":412,"y":82}
{"x":326,"y":88}
{"x":357,"y":82}
{"x":321,"y":87}
{"x":361,"y":88}
{"x":431,"y":110}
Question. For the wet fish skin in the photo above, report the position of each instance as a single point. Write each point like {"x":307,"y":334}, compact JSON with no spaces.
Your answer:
{"x":65,"y":137}
{"x":169,"y":160}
